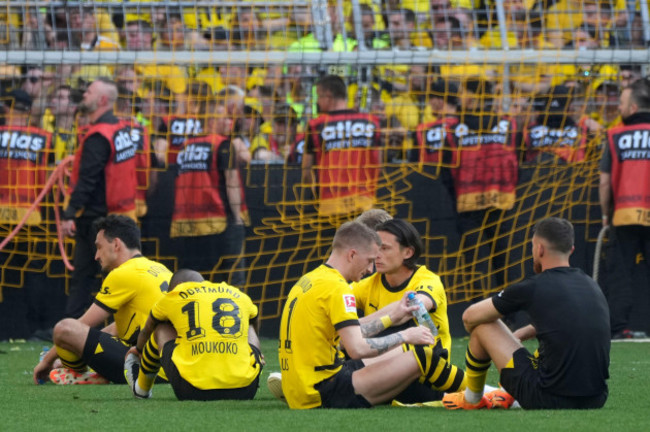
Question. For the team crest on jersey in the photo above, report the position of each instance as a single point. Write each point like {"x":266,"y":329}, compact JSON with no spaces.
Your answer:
{"x":350,"y":303}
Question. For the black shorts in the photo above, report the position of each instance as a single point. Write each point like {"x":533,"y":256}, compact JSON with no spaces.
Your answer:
{"x":186,"y":391}
{"x":338,"y":392}
{"x":522,"y":382}
{"x":105,"y":355}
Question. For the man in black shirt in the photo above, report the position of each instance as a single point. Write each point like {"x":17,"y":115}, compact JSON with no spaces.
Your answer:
{"x":570,"y":319}
{"x":103,"y":182}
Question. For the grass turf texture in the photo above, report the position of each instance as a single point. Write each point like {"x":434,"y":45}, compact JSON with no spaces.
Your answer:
{"x":25,"y":406}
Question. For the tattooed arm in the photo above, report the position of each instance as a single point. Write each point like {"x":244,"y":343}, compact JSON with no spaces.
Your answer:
{"x":371,"y":325}
{"x":393,"y":314}
{"x":358,"y":346}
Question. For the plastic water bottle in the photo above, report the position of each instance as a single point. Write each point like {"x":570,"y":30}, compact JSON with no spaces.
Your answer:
{"x":43,"y":353}
{"x":422,"y":315}
{"x":40,"y":359}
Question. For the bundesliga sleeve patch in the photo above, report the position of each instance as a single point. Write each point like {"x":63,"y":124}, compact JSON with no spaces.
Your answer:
{"x":350,"y":303}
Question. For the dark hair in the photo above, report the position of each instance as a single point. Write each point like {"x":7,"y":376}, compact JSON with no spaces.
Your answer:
{"x":557,"y":232}
{"x":266,"y":91}
{"x":285,"y":115}
{"x":335,"y":85}
{"x":121,"y":227}
{"x":354,"y":235}
{"x":641,"y":93}
{"x":142,"y":24}
{"x":408,"y":14}
{"x":182,"y":276}
{"x":407,"y":236}
{"x":445,"y":90}
{"x":366,"y":9}
{"x":75,"y":96}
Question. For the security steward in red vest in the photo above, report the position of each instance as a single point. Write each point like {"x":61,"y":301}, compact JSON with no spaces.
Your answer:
{"x":103,"y":182}
{"x":209,"y":204}
{"x":624,"y":193}
{"x":342,"y":152}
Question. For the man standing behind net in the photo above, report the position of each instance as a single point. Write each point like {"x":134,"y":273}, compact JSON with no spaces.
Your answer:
{"x":570,"y":321}
{"x":103,"y":182}
{"x":625,"y":194}
{"x":342,"y":152}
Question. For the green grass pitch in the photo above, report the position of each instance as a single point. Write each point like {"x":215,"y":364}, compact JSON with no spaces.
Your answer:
{"x":25,"y":406}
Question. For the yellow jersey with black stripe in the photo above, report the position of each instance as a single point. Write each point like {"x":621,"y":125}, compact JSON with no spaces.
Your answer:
{"x":129,"y":292}
{"x":318,"y":305}
{"x":374,"y":293}
{"x":212,"y":323}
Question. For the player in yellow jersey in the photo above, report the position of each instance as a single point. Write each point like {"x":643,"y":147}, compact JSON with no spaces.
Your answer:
{"x":132,"y":285}
{"x":210,"y":350}
{"x":320,"y":314}
{"x":397,"y":274}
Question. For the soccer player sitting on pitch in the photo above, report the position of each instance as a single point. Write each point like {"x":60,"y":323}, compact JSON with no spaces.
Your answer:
{"x":321,"y":311}
{"x":398,"y":274}
{"x":570,"y":319}
{"x":210,"y":349}
{"x":132,"y":285}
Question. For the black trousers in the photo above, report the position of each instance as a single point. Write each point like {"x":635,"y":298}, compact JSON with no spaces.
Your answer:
{"x":629,"y":241}
{"x":83,"y":281}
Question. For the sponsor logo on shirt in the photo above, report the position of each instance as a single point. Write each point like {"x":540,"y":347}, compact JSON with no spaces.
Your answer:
{"x":124,"y":147}
{"x":195,"y":157}
{"x":633,"y":145}
{"x":21,"y":146}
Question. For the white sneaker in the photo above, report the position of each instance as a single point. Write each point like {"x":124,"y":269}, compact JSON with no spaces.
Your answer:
{"x":131,"y":371}
{"x":274,"y":383}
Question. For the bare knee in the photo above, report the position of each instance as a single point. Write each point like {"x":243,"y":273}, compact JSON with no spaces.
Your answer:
{"x":493,"y":341}
{"x":69,"y":332}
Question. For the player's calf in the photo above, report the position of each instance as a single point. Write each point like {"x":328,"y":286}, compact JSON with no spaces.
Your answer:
{"x":436,"y":371}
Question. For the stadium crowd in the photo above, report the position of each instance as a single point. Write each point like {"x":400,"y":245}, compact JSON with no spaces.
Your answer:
{"x":271,"y":103}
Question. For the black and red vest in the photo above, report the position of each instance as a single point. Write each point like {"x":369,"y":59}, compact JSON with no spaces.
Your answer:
{"x":140,"y":138}
{"x":24,"y":153}
{"x":435,"y":141}
{"x":179,"y":130}
{"x":346,"y":147}
{"x":201,"y":205}
{"x":485,"y":163}
{"x":630,"y":176}
{"x":120,"y":171}
{"x":568,"y":143}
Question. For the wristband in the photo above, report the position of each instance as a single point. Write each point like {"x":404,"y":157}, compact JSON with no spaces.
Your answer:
{"x":386,"y":321}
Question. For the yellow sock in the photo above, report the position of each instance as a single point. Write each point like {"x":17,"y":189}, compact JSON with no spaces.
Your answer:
{"x":70,"y":360}
{"x":476,"y":375}
{"x":149,"y":365}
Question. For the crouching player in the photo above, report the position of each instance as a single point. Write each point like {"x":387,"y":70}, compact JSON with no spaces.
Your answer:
{"x":208,"y":348}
